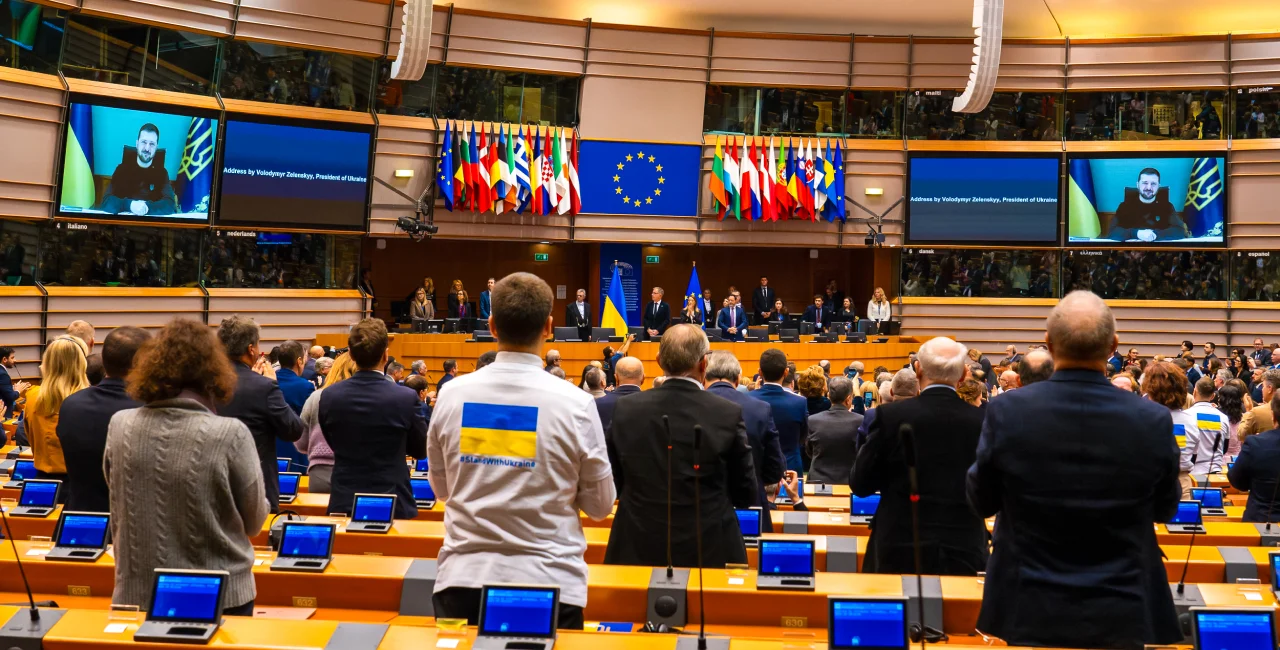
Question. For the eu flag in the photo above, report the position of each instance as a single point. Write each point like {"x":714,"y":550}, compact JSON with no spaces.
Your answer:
{"x":1204,"y":213}
{"x":639,"y":178}
{"x":444,"y":179}
{"x":196,"y":171}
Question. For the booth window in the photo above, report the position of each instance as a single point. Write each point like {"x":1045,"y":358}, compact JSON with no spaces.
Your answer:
{"x":289,"y":75}
{"x":30,"y":36}
{"x":485,"y":95}
{"x":1147,"y":274}
{"x":18,"y":246}
{"x":1008,"y":116}
{"x":1257,"y":113}
{"x":773,"y":111}
{"x":872,"y":114}
{"x":975,"y":273}
{"x":1255,"y":275}
{"x":1146,"y":115}
{"x":268,"y":260}
{"x":99,"y":255}
{"x":131,"y":54}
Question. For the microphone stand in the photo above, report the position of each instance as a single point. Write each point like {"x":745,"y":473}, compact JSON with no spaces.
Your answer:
{"x":1182,"y":580}
{"x":697,"y":516}
{"x":907,"y":433}
{"x":17,"y":557}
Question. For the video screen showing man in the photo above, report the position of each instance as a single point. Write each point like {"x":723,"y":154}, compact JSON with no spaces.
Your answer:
{"x":1147,"y":215}
{"x":140,"y":185}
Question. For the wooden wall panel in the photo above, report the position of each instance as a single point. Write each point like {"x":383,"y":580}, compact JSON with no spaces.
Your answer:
{"x":355,"y":26}
{"x":107,"y":308}
{"x":641,"y":54}
{"x":883,"y":167}
{"x":1032,"y":66}
{"x":772,"y":60}
{"x":31,"y":114}
{"x":439,"y":25}
{"x":940,"y":65}
{"x":1252,"y":177}
{"x":402,"y":143}
{"x":203,"y":16}
{"x":1253,"y":319}
{"x":881,"y":62}
{"x":283,"y":315}
{"x":20,"y":309}
{"x":493,"y":42}
{"x":1255,"y":61}
{"x":1155,"y":64}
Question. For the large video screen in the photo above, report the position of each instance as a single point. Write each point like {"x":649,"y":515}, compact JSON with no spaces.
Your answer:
{"x":982,"y":199}
{"x":1175,"y":200}
{"x":303,"y":174}
{"x":137,"y":162}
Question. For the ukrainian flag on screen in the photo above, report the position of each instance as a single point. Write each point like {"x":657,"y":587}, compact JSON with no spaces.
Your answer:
{"x":1205,"y":210}
{"x":78,"y":189}
{"x":499,"y":430}
{"x":1082,"y":203}
{"x":1180,"y":435}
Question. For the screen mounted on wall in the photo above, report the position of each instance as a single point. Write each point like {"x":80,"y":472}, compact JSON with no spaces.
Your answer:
{"x":1167,"y":200}
{"x":982,"y":199}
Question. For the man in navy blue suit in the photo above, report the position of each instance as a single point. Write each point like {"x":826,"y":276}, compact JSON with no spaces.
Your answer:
{"x":790,"y":411}
{"x":732,"y":321}
{"x":817,"y":314}
{"x":371,"y":424}
{"x":1076,"y":562}
{"x":629,"y":374}
{"x":723,"y":374}
{"x":486,"y":301}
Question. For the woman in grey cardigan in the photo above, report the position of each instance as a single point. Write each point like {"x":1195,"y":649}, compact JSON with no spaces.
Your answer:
{"x":186,"y":489}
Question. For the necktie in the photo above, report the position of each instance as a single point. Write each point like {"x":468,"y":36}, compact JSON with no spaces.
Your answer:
{"x":733,"y":318}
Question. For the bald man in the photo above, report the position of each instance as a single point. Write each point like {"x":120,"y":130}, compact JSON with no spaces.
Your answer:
{"x":1075,"y":561}
{"x":1008,"y":380}
{"x":629,"y":373}
{"x":309,"y":369}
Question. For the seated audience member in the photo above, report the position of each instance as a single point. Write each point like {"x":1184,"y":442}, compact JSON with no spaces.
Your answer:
{"x":1257,"y":470}
{"x":790,"y":411}
{"x":85,"y":415}
{"x":62,"y":374}
{"x":1008,"y":380}
{"x":1165,"y":384}
{"x":516,"y":522}
{"x":831,"y":435}
{"x":1123,"y":382}
{"x":846,"y":313}
{"x":371,"y":425}
{"x":723,"y":373}
{"x":1259,"y":419}
{"x":450,"y":368}
{"x":418,"y":384}
{"x":1011,"y":356}
{"x":559,"y":373}
{"x":486,"y":359}
{"x":186,"y":490}
{"x":1206,"y":429}
{"x":1035,"y":366}
{"x":904,"y":385}
{"x":293,"y":385}
{"x":552,"y":360}
{"x":93,"y":370}
{"x":811,"y":383}
{"x":312,"y":442}
{"x":258,"y":402}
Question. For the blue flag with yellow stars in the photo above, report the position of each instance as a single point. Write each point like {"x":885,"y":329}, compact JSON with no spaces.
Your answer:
{"x":639,"y":178}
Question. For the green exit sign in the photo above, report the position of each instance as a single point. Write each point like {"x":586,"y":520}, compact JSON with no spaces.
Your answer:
{"x":650,"y":259}
{"x":541,"y":257}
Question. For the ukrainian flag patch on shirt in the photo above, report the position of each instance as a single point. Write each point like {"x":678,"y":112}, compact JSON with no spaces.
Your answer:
{"x":1208,"y":422}
{"x":499,"y":430}
{"x":1180,"y":435}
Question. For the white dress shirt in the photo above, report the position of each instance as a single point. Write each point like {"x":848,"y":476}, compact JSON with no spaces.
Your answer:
{"x":878,"y":312}
{"x":582,"y":309}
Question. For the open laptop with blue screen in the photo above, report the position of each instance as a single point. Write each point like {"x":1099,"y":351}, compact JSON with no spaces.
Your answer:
{"x":749,"y":522}
{"x":518,"y":616}
{"x":282,"y":464}
{"x":423,"y":495}
{"x":1187,"y":520}
{"x":420,"y":468}
{"x":862,"y":509}
{"x":305,"y":547}
{"x":81,"y":536}
{"x":788,"y":499}
{"x":289,"y":486}
{"x":1245,"y":628}
{"x":1211,"y":501}
{"x":786,"y":564}
{"x":372,"y":513}
{"x":186,"y":607}
{"x":879,"y":623}
{"x":38,"y":498}
{"x":23,"y":469}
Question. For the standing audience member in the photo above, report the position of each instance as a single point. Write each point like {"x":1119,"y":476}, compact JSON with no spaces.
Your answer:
{"x":186,"y":491}
{"x":732,"y":321}
{"x":371,"y":425}
{"x":1259,"y":419}
{"x":593,"y":382}
{"x":762,"y":301}
{"x":878,"y":308}
{"x":982,"y":362}
{"x":953,"y":541}
{"x":657,"y":315}
{"x":1050,"y":464}
{"x":314,"y":354}
{"x":258,"y":401}
{"x":630,"y":374}
{"x":1206,"y":429}
{"x":1231,"y":401}
{"x":552,"y":360}
{"x":485,"y":308}
{"x":293,"y":385}
{"x":85,"y":416}
{"x":93,"y":369}
{"x":1165,"y":385}
{"x":1257,"y":470}
{"x":312,"y":442}
{"x":10,"y":392}
{"x":831,"y":435}
{"x":421,"y":308}
{"x":723,"y":373}
{"x":790,"y":411}
{"x":486,"y":359}
{"x":812,"y":386}
{"x":508,"y":522}
{"x":455,"y":291}
{"x":323,"y":366}
{"x":1035,"y":366}
{"x":62,"y":374}
{"x":83,"y":331}
{"x":642,"y":453}
{"x":450,"y":368}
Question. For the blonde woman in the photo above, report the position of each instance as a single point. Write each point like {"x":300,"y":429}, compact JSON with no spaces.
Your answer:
{"x":421,"y":308}
{"x":62,"y":370}
{"x":312,"y":442}
{"x":429,"y":288}
{"x":878,"y":308}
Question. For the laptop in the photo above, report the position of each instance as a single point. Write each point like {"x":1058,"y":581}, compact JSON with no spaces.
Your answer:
{"x":566,"y":334}
{"x":305,"y":547}
{"x":867,"y":622}
{"x":601,"y":334}
{"x":862,"y":509}
{"x":372,"y":513}
{"x":1243,"y":628}
{"x":786,"y":564}
{"x":39,"y":498}
{"x":186,"y":607}
{"x":517,"y":616}
{"x":1211,"y":503}
{"x":786,"y":499}
{"x":282,"y":464}
{"x":23,"y":469}
{"x":81,"y":537}
{"x":1273,"y":560}
{"x":423,"y":495}
{"x":420,"y":469}
{"x":749,"y":522}
{"x":289,"y":486}
{"x":1187,"y":520}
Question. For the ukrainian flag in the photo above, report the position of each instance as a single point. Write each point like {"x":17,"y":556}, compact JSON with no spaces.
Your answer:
{"x":499,"y":430}
{"x":1082,"y":202}
{"x":1180,"y":435}
{"x":196,"y":172}
{"x":77,"y":179}
{"x":1204,"y":212}
{"x":615,"y":307}
{"x":1209,"y":423}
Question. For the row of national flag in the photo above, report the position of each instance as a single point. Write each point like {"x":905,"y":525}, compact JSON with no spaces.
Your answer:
{"x":509,"y":169}
{"x":799,"y":181}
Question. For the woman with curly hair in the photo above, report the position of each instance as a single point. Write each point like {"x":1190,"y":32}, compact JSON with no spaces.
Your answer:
{"x":186,"y":487}
{"x":1165,"y":384}
{"x":811,"y":383}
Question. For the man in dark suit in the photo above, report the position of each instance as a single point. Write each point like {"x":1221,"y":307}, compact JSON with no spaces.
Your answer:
{"x":371,"y":424}
{"x":85,"y":415}
{"x":762,"y":301}
{"x":1051,"y":465}
{"x":832,"y":433}
{"x":723,"y":373}
{"x":485,"y":306}
{"x":9,"y":391}
{"x":578,"y":314}
{"x":817,"y":314}
{"x":258,"y":401}
{"x":1257,"y":468}
{"x":709,"y":310}
{"x":790,"y":411}
{"x":629,"y":374}
{"x":657,"y":315}
{"x":953,"y":540}
{"x":638,"y":451}
{"x":732,"y":321}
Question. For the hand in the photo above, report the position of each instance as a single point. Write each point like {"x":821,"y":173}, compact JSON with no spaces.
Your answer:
{"x":263,"y":367}
{"x":1147,"y":234}
{"x":733,"y":330}
{"x":138,"y":207}
{"x":791,"y":481}
{"x":631,"y":337}
{"x":766,"y":314}
{"x":653,"y":332}
{"x":21,"y":387}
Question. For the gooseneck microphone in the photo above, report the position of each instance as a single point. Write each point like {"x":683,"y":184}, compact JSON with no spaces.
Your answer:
{"x":697,"y":529}
{"x":908,"y":435}
{"x":17,"y":557}
{"x":1182,"y":580}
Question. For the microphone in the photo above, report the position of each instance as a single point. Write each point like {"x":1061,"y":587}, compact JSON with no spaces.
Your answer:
{"x":17,"y":557}
{"x":697,"y":529}
{"x":908,"y":435}
{"x":1182,"y":580}
{"x":666,"y":425}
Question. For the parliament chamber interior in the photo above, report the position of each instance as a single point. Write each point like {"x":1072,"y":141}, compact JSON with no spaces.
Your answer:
{"x":978,"y":344}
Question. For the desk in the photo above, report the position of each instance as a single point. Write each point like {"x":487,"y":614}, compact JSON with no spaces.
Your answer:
{"x":27,"y":527}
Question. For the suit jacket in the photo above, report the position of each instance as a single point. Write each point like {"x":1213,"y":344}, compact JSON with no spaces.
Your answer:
{"x":762,"y":300}
{"x":606,"y":405}
{"x":656,"y":321}
{"x":82,"y":430}
{"x":7,"y":394}
{"x":791,"y":417}
{"x":1256,"y":470}
{"x":722,"y":321}
{"x":811,"y":316}
{"x":766,"y":453}
{"x":1050,"y":463}
{"x":260,"y":405}
{"x":637,"y":445}
{"x":486,"y":305}
{"x":372,"y":424}
{"x":573,"y":319}
{"x":831,"y":445}
{"x":422,"y":311}
{"x":1257,"y":420}
{"x":699,"y":317}
{"x":309,"y":374}
{"x":953,"y":539}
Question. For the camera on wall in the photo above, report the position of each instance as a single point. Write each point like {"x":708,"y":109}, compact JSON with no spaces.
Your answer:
{"x":416,"y":228}
{"x":873,"y":238}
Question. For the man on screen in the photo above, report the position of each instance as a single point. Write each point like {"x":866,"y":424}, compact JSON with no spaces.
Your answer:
{"x":1147,"y":216}
{"x":139,"y":187}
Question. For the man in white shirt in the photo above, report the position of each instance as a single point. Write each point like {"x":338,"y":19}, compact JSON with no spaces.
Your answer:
{"x":578,"y":314}
{"x":515,"y":453}
{"x":1204,"y":426}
